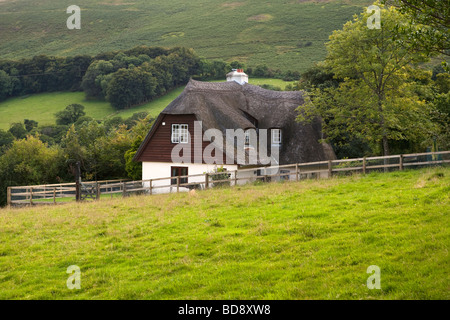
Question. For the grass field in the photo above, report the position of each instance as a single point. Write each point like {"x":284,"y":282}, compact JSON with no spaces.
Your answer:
{"x":42,"y":107}
{"x":301,"y":240}
{"x":286,"y":34}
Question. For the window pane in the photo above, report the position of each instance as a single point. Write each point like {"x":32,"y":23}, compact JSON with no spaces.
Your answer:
{"x":174,"y":173}
{"x":184,"y":133}
{"x":247,"y":138}
{"x":179,"y":171}
{"x":175,"y":133}
{"x":276,"y":136}
{"x":180,"y":133}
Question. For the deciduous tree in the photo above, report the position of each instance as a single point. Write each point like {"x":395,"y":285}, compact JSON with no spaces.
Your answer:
{"x":434,"y":14}
{"x":375,"y":100}
{"x":70,"y":114}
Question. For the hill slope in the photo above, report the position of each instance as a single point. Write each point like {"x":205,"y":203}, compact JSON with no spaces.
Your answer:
{"x":305,"y":240}
{"x":286,"y":34}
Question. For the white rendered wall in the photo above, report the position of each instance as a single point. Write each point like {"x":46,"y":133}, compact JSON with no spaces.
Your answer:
{"x":154,"y":170}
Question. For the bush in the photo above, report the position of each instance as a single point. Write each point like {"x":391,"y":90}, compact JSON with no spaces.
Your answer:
{"x":220,"y":173}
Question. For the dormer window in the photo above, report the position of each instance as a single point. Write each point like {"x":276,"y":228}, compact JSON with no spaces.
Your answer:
{"x":276,"y":136}
{"x":247,"y":138}
{"x":180,"y":133}
{"x":251,"y":138}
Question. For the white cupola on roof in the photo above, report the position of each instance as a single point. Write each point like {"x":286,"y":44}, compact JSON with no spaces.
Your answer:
{"x":237,"y":75}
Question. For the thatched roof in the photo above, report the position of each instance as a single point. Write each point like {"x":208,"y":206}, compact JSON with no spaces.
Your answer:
{"x":222,"y":105}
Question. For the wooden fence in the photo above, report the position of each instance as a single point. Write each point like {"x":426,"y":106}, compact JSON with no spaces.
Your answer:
{"x":61,"y":193}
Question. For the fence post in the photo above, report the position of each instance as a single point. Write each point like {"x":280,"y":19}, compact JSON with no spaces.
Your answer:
{"x":77,"y":191}
{"x":206,"y":181}
{"x":98,"y":191}
{"x":178,"y":184}
{"x":364,"y":165}
{"x":54,"y":196}
{"x":31,"y":196}
{"x":401,"y":162}
{"x":150,"y":187}
{"x":235,"y":177}
{"x":330,"y":168}
{"x":8,"y":197}
{"x":296,"y":172}
{"x":124,"y":189}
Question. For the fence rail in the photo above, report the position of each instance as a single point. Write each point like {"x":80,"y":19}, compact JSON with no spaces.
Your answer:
{"x":61,"y":193}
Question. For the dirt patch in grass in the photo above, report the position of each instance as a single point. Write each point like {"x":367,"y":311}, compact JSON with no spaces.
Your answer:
{"x":260,"y":17}
{"x":428,"y":180}
{"x":284,"y":49}
{"x":175,"y":34}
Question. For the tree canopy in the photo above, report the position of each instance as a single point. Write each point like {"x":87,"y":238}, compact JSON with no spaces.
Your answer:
{"x":70,"y":114}
{"x":432,"y":13}
{"x":375,"y":100}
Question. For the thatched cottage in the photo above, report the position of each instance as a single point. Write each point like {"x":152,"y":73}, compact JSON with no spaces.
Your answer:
{"x":190,"y":136}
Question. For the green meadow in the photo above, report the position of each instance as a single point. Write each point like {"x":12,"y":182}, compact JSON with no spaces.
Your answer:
{"x":311,"y":239}
{"x":285,"y":34}
{"x":42,"y":107}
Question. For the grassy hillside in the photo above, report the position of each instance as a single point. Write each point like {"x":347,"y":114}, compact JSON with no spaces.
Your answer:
{"x":42,"y":107}
{"x":286,"y":34}
{"x":305,"y":240}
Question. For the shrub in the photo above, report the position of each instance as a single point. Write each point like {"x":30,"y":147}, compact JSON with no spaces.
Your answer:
{"x":218,"y":174}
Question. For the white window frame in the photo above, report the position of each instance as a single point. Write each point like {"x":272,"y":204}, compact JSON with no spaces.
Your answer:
{"x":180,"y":133}
{"x":247,"y":138}
{"x":276,"y":136}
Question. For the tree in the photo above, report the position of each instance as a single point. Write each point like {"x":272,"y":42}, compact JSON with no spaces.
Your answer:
{"x":70,"y":114}
{"x":318,"y":76}
{"x":113,"y":123}
{"x":375,"y":100}
{"x":111,"y":150}
{"x":134,"y":169}
{"x":432,"y":13}
{"x":138,"y":132}
{"x":101,"y":153}
{"x":18,"y":130}
{"x":30,"y":124}
{"x":95,"y":74}
{"x":135,"y":118}
{"x":237,"y":65}
{"x":52,"y":134}
{"x":261,"y":71}
{"x":130,"y":87}
{"x":159,"y":70}
{"x":29,"y":161}
{"x":6,"y":85}
{"x":441,"y":102}
{"x":6,"y":140}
